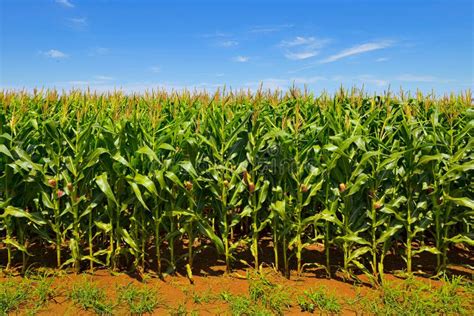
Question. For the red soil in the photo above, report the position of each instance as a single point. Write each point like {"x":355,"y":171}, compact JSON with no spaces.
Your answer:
{"x":210,"y":279}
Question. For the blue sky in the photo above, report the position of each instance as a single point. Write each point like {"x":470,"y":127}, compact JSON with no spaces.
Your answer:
{"x":138,"y":45}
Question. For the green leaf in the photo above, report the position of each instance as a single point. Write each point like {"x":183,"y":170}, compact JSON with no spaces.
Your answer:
{"x":432,"y":250}
{"x":103,"y":184}
{"x":138,"y":194}
{"x":147,"y":151}
{"x":18,"y":212}
{"x":207,"y":230}
{"x":106,"y":227}
{"x":146,"y":182}
{"x":166,"y":146}
{"x":463,"y":201}
{"x":14,"y":243}
{"x":4,"y":150}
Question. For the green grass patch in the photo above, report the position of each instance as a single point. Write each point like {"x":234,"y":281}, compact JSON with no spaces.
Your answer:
{"x":13,"y":296}
{"x":88,"y":296}
{"x":139,"y":300}
{"x":318,"y":299}
{"x":414,"y":297}
{"x":265,"y":298}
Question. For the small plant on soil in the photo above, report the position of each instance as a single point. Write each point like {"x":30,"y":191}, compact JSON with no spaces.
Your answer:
{"x":181,"y":310}
{"x":43,"y":292}
{"x":319,"y":299}
{"x":269,"y":294}
{"x":416,"y":298}
{"x":244,"y":305}
{"x":199,"y":298}
{"x":13,"y":295}
{"x":265,"y":298}
{"x":139,"y":300}
{"x":225,"y":296}
{"x":89,"y":296}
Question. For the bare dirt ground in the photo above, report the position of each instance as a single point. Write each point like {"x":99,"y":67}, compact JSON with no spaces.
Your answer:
{"x":177,"y":295}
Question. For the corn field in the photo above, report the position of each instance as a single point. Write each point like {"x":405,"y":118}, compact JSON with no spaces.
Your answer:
{"x":124,"y":181}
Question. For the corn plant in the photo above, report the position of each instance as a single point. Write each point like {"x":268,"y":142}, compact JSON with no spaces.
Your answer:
{"x":103,"y":178}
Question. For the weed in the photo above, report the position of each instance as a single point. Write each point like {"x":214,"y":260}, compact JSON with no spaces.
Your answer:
{"x":244,"y":305}
{"x":43,"y":292}
{"x":13,"y":295}
{"x":90,"y":297}
{"x":139,"y":300}
{"x":270,"y":295}
{"x":319,"y":299}
{"x":417,"y":298}
{"x":181,"y":310}
{"x":225,"y":296}
{"x":205,"y":297}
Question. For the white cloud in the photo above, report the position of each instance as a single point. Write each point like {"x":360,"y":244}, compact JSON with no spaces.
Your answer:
{"x":307,"y":80}
{"x":297,"y":41}
{"x":155,"y":69}
{"x":75,"y":83}
{"x":269,"y":28}
{"x":55,"y":54}
{"x":216,"y":34}
{"x":282,"y":84}
{"x":302,"y":47}
{"x":417,"y":78}
{"x":99,"y":82}
{"x":382,"y":59}
{"x":103,"y":78}
{"x":77,"y":22}
{"x":65,"y":3}
{"x":361,"y":79}
{"x":359,"y":49}
{"x":371,"y":80}
{"x":241,"y":59}
{"x":423,"y":78}
{"x":228,"y":43}
{"x":133,"y":87}
{"x":301,"y":55}
{"x":98,"y":51}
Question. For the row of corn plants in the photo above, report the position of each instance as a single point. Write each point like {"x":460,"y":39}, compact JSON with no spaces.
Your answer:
{"x":113,"y":180}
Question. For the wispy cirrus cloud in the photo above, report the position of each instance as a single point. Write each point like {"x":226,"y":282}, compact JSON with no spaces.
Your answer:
{"x":298,"y":41}
{"x":54,"y":54}
{"x":221,"y":39}
{"x":281,"y":84}
{"x":422,"y":78}
{"x":77,"y":23}
{"x":357,"y":50}
{"x":371,"y":80}
{"x":98,"y":51}
{"x":95,"y":81}
{"x":301,"y":55}
{"x":227,"y":43}
{"x":216,"y":34}
{"x":155,"y":69}
{"x":65,"y":3}
{"x":241,"y":59}
{"x":103,"y":78}
{"x":301,"y":47}
{"x":264,"y":29}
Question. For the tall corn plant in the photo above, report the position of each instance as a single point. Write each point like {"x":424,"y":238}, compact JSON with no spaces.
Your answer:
{"x":411,"y":174}
{"x":107,"y":174}
{"x":255,"y":180}
{"x":449,"y":164}
{"x":297,"y":146}
{"x":225,"y":165}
